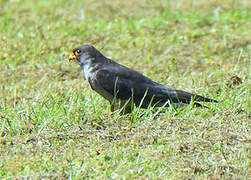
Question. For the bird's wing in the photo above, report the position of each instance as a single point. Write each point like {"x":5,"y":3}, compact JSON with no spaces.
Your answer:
{"x":124,"y":83}
{"x":116,"y":83}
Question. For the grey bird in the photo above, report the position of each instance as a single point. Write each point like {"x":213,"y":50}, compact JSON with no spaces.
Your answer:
{"x":123,"y":87}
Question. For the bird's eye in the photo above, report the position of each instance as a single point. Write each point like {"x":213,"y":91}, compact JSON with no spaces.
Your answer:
{"x":78,"y":52}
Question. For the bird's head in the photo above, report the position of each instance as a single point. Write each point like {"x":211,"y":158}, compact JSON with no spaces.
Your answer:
{"x":84,"y":54}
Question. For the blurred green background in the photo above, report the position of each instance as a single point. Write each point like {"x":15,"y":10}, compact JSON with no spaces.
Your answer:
{"x":52,"y":125}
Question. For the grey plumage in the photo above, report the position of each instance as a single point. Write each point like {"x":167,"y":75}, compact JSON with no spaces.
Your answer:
{"x":110,"y":79}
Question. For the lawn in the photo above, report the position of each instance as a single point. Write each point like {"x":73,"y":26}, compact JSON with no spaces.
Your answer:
{"x":52,"y":125}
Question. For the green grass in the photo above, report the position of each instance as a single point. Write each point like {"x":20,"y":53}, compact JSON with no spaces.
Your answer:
{"x":52,"y":125}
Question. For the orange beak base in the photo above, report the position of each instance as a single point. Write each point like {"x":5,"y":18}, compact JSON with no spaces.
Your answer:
{"x":72,"y":57}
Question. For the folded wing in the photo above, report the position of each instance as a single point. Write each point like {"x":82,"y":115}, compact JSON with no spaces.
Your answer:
{"x":124,"y":83}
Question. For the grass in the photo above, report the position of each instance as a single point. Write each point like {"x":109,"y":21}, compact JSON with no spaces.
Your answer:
{"x":52,"y":125}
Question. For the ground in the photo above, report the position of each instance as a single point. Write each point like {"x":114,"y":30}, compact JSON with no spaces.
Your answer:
{"x":52,"y":125}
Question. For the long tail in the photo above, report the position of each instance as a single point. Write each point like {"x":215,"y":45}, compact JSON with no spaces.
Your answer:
{"x":185,"y":97}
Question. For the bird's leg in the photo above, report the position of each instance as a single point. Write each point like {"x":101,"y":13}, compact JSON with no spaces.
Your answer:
{"x":112,"y":110}
{"x":126,"y":108}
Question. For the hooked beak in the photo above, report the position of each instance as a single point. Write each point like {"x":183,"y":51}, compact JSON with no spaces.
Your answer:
{"x":72,"y":57}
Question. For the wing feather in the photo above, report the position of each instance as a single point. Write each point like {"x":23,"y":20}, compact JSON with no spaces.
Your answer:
{"x":125,"y":83}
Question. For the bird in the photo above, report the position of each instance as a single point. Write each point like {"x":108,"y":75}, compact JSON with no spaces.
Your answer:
{"x":124,"y":87}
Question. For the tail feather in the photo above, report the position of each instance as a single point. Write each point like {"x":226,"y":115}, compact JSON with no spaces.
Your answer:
{"x":185,"y":97}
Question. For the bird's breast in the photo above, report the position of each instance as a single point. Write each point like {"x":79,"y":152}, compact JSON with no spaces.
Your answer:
{"x":93,"y":81}
{"x":87,"y":71}
{"x":90,"y":71}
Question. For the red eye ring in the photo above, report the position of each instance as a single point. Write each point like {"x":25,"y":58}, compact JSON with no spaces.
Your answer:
{"x":78,"y":52}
